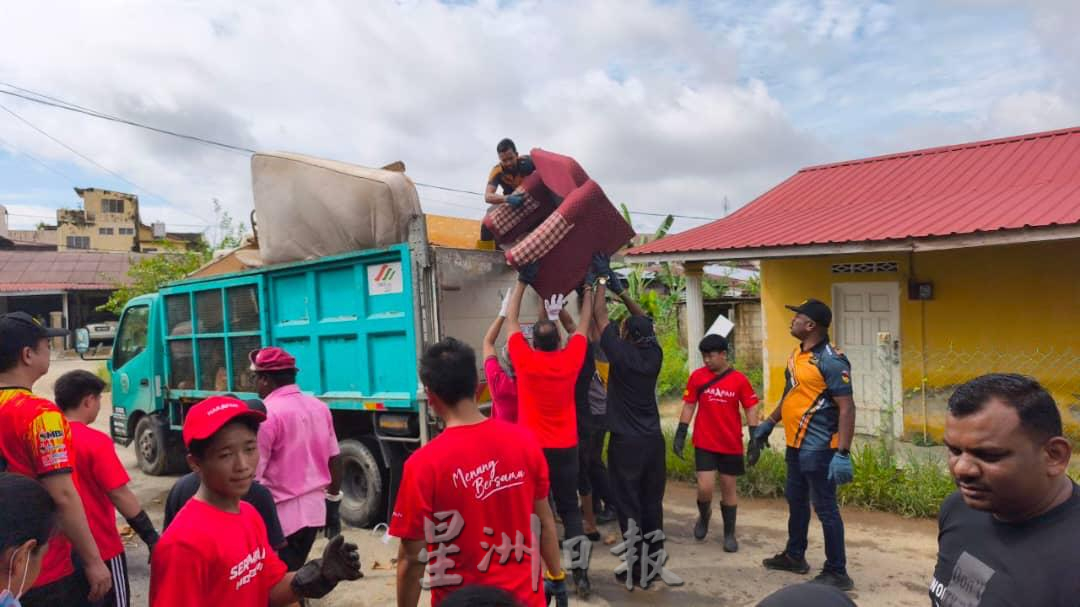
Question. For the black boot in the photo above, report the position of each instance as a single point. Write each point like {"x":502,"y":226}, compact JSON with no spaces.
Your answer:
{"x":582,"y":586}
{"x":701,"y":527}
{"x":728,"y":513}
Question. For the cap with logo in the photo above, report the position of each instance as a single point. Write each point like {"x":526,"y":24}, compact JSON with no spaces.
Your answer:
{"x":271,"y":359}
{"x":19,"y":330}
{"x":815,"y":310}
{"x":208,"y":416}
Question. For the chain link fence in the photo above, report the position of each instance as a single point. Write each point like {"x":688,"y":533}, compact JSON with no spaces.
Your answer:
{"x":928,"y":377}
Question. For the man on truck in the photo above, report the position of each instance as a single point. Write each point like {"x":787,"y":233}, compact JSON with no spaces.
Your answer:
{"x":298,"y":455}
{"x":35,"y":441}
{"x":547,"y":376}
{"x":508,"y":175}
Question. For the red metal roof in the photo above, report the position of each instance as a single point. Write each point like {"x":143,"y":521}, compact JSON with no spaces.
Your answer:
{"x":63,"y":270}
{"x":1001,"y":184}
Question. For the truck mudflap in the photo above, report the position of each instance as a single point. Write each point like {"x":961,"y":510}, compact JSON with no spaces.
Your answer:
{"x":118,"y":427}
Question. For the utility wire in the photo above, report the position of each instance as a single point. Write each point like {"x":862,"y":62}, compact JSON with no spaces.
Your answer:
{"x":41,"y":98}
{"x":96,"y":163}
{"x":37,"y":160}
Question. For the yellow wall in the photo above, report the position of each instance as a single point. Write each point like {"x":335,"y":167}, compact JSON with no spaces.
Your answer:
{"x":97,"y":219}
{"x":1004,"y":308}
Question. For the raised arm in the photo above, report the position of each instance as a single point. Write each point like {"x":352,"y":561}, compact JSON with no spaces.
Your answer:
{"x":567,"y":321}
{"x":513,"y":311}
{"x":586,"y":312}
{"x":631,"y":306}
{"x":495,"y":329}
{"x":491,"y":196}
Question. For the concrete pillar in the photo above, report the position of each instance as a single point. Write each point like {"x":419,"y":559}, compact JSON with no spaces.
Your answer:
{"x":695,"y":312}
{"x":67,"y":318}
{"x":56,"y":319}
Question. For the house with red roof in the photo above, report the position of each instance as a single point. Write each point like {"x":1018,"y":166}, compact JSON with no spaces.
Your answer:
{"x":939,"y":264}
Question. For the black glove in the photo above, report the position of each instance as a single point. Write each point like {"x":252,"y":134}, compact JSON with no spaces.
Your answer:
{"x":601,"y":263}
{"x":614,"y":283}
{"x":679,"y":443}
{"x":333,"y":519}
{"x":144,"y":527}
{"x":557,"y":591}
{"x":753,"y":448}
{"x":525,"y":166}
{"x":527,"y":274}
{"x":515,"y":200}
{"x":340,"y":561}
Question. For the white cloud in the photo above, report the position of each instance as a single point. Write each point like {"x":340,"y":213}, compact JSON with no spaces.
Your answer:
{"x":644,"y":96}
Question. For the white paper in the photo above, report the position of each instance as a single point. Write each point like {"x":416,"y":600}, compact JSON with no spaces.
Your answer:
{"x":721,"y":326}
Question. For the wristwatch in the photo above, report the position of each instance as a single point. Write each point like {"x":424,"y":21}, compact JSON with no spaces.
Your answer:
{"x":844,"y":452}
{"x":602,"y":280}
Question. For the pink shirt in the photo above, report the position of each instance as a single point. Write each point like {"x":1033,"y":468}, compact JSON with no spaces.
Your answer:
{"x":296,"y":443}
{"x":503,"y":389}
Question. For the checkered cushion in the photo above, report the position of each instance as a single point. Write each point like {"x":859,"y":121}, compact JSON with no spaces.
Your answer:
{"x":586,"y":223}
{"x":561,"y":174}
{"x":509,"y":224}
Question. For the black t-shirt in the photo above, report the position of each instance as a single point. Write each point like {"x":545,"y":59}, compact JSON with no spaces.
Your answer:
{"x":584,"y":378}
{"x":258,"y":496}
{"x":983,"y":562}
{"x":632,"y":409}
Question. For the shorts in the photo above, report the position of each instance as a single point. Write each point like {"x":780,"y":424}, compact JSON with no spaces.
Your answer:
{"x":724,"y":463}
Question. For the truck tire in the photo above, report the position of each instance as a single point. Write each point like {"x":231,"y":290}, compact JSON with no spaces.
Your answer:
{"x":158,"y":453}
{"x":363,"y":483}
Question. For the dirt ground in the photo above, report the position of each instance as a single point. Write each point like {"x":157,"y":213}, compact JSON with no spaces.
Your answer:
{"x":890,"y":558}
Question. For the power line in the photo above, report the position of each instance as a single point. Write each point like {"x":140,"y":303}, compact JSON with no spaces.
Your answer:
{"x":37,"y":160}
{"x":95,"y":163}
{"x":41,"y":98}
{"x":71,"y":107}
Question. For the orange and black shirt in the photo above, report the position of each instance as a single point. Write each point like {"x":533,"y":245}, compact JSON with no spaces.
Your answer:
{"x":814,"y":379}
{"x":509,"y":180}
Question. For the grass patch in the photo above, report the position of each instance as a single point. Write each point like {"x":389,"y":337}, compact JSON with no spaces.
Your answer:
{"x":914,"y":490}
{"x":103,"y":372}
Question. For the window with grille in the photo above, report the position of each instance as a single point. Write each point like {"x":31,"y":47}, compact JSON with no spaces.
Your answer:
{"x":105,"y":231}
{"x":127,"y":231}
{"x":112,"y":205}
{"x":78,"y":242}
{"x":867,"y":267}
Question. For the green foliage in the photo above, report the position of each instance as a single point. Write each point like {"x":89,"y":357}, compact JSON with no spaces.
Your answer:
{"x":103,"y":372}
{"x":756,"y":378}
{"x":674,"y":372}
{"x":916,"y":490}
{"x":149,"y":273}
{"x":753,"y":286}
{"x":229,"y":234}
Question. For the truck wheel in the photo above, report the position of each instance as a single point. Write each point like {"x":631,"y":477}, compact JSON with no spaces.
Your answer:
{"x":363,"y":484}
{"x":156,"y":452}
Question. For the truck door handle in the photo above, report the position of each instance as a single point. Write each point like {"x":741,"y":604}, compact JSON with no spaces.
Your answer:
{"x":144,"y":382}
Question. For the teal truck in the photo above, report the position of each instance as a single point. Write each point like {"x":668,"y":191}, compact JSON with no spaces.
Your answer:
{"x":355,"y":322}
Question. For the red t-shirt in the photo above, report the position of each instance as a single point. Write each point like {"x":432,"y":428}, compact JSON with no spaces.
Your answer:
{"x":35,"y":441}
{"x":491,"y":474}
{"x":212,"y":558}
{"x":503,"y":389}
{"x":100,"y":472}
{"x":546,"y":383}
{"x":718,"y":426}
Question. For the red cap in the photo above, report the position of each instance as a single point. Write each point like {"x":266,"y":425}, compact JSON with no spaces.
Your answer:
{"x":271,"y":359}
{"x":208,"y":416}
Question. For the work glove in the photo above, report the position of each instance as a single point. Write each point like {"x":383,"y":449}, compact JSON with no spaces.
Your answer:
{"x":614,"y":283}
{"x":525,"y":166}
{"x":515,"y":200}
{"x":527,"y":274}
{"x":840,"y":469}
{"x":504,"y":308}
{"x":601,"y":263}
{"x":753,"y":448}
{"x":760,"y":433}
{"x":144,"y":527}
{"x":340,"y":561}
{"x":557,"y":591}
{"x":333,"y":519}
{"x":554,"y":305}
{"x":679,"y":443}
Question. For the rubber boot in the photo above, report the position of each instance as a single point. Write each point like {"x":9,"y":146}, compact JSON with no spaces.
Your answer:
{"x":701,"y":527}
{"x":730,"y":543}
{"x":582,"y":586}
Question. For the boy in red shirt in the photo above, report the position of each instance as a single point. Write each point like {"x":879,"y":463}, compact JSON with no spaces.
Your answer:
{"x":718,"y":447}
{"x":102,"y":480}
{"x":216,"y":552}
{"x":475,"y":497}
{"x":546,"y":381}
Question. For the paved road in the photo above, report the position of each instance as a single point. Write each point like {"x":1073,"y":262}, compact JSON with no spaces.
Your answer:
{"x":891,"y":558}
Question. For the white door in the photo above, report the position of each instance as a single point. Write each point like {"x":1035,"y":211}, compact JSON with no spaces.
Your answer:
{"x":867,"y":328}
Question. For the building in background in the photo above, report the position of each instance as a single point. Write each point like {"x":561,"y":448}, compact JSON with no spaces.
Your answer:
{"x":109,"y":221}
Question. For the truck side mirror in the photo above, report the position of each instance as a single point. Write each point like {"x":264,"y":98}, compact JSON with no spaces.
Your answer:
{"x":82,"y":340}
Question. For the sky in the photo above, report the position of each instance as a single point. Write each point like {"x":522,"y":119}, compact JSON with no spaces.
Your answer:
{"x":693,"y":108}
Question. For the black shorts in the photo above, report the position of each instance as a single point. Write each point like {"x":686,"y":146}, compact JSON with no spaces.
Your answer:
{"x":707,"y":461}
